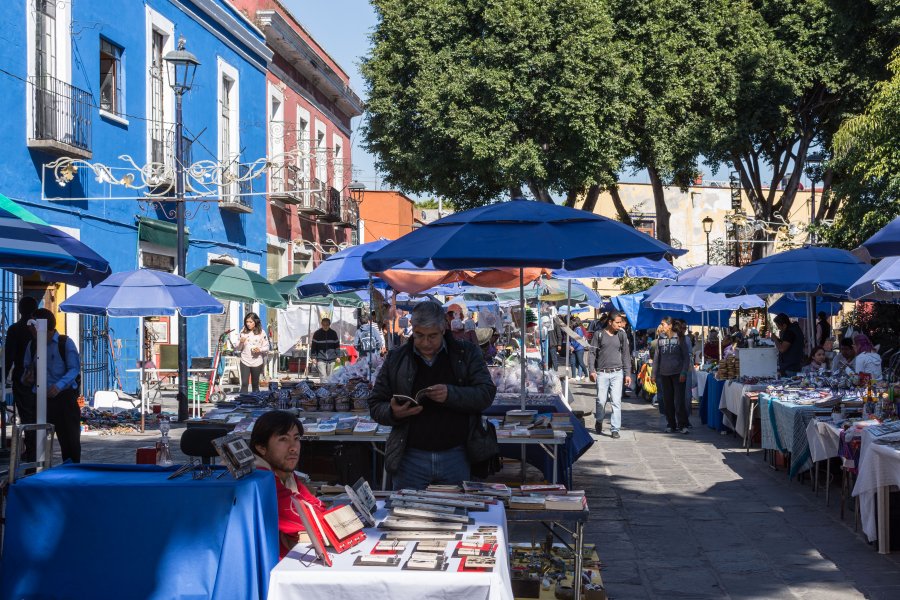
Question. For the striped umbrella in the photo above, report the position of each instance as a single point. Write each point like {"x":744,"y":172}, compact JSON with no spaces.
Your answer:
{"x":29,"y":246}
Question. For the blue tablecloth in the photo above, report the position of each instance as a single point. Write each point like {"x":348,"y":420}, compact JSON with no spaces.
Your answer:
{"x":125,"y":531}
{"x":783,"y":427}
{"x":709,"y":403}
{"x":577,"y":442}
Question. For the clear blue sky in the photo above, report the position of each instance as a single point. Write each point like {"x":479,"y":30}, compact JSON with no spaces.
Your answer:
{"x":342,"y":27}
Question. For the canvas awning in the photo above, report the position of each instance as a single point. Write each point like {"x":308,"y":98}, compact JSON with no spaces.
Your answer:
{"x":162,"y":233}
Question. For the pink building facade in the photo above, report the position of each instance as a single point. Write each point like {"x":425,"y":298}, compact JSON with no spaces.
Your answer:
{"x":309,"y":107}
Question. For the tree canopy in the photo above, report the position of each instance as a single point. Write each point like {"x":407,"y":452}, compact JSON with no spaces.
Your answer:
{"x":472,"y":99}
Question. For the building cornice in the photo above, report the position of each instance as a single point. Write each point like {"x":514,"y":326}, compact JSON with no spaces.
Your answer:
{"x":235,"y":24}
{"x":299,"y":89}
{"x":287,"y":41}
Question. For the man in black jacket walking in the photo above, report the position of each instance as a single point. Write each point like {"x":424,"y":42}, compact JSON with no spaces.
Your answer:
{"x":427,"y":444}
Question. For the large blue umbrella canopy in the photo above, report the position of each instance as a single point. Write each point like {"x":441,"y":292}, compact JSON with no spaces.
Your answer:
{"x":143,"y":293}
{"x":794,"y":306}
{"x":642,"y":316}
{"x":518,"y":233}
{"x":808,"y":270}
{"x":688,"y":292}
{"x":341,"y":272}
{"x":632,"y":267}
{"x":880,"y":284}
{"x":30,"y":246}
{"x":886,"y":242}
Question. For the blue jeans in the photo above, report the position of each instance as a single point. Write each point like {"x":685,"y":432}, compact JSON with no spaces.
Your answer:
{"x":576,"y":361}
{"x":609,"y":388}
{"x":420,"y":468}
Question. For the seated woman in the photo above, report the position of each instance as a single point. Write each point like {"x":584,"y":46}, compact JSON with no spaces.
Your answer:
{"x":276,"y":442}
{"x":867,"y":359}
{"x":818,"y":362}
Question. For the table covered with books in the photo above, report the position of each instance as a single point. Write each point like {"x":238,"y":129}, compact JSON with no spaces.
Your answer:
{"x":128,"y":531}
{"x":399,"y":561}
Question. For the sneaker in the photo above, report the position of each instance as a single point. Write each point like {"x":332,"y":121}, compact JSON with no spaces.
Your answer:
{"x":614,"y":435}
{"x":684,"y":430}
{"x":669,"y":430}
{"x":598,"y":427}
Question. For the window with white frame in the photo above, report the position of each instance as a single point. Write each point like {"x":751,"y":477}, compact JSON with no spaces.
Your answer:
{"x":229,"y":137}
{"x":321,"y":155}
{"x":276,"y":139}
{"x":338,"y":163}
{"x":304,"y":147}
{"x":160,"y":102}
{"x":49,"y":65}
{"x":112,"y":78}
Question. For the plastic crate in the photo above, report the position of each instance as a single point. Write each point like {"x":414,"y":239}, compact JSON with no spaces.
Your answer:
{"x":197,"y":390}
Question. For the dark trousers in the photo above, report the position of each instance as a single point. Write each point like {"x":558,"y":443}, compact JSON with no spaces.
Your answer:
{"x":250,"y":375}
{"x":552,"y":357}
{"x":672,"y":392}
{"x":64,"y":414}
{"x":26,"y":407}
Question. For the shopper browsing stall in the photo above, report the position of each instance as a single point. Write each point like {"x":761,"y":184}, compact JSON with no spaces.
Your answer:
{"x":427,"y":444}
{"x":789,"y":343}
{"x":63,"y":368}
{"x":275,"y":441}
{"x":17,"y":339}
{"x":672,"y":362}
{"x":368,"y":338}
{"x":252,"y":348}
{"x":325,"y":348}
{"x":610,"y":367}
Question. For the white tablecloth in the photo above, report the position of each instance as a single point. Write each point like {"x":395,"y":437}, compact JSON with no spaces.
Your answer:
{"x":879,"y":466}
{"x":735,"y":407}
{"x":290,"y":580}
{"x":824,"y":439}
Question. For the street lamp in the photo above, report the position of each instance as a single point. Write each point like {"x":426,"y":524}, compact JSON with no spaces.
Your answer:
{"x":357,"y":191}
{"x":181,"y":66}
{"x":814,"y":172}
{"x":707,"y":228}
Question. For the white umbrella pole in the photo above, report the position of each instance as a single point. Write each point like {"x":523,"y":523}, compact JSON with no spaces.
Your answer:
{"x":40,"y":357}
{"x":703,"y":340}
{"x":141,"y":360}
{"x":719,"y":317}
{"x":308,"y":341}
{"x":568,"y":337}
{"x":522,"y":352}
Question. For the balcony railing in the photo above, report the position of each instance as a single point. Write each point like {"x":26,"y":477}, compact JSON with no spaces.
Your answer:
{"x":61,"y":118}
{"x":162,"y":157}
{"x":350,"y":213}
{"x":235,"y":196}
{"x":333,"y":213}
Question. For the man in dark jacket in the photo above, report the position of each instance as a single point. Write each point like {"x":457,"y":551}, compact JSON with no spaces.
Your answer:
{"x":17,"y":339}
{"x":325,"y":348}
{"x":790,"y":344}
{"x":427,"y":444}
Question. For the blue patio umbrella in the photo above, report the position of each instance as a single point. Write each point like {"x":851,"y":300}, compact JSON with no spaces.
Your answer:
{"x":143,"y":293}
{"x":632,"y":267}
{"x":807,"y":270}
{"x":688,"y":292}
{"x":886,"y":242}
{"x":880,"y":284}
{"x":341,"y":272}
{"x":518,"y":233}
{"x":642,"y":316}
{"x":795,"y":306}
{"x":30,"y":246}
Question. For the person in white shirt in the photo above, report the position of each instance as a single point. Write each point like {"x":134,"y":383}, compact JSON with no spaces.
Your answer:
{"x":867,"y":359}
{"x":252,"y":346}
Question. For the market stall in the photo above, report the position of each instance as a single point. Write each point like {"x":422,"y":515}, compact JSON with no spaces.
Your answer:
{"x":879,"y":469}
{"x":162,"y":538}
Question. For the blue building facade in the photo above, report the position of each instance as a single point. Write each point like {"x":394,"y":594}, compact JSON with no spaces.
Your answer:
{"x":85,"y":79}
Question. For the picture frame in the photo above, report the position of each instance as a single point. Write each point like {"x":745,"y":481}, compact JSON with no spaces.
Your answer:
{"x":160,"y":328}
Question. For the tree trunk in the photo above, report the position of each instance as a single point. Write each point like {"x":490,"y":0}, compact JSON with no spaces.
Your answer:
{"x":540,"y":193}
{"x":663,"y":233}
{"x":516,"y":192}
{"x":620,"y":206}
{"x":590,"y":199}
{"x":572,"y":197}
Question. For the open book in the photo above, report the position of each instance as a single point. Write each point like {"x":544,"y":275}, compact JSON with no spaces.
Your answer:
{"x":416,"y":401}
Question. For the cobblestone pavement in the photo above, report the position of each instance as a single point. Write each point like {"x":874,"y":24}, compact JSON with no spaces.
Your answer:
{"x":688,"y":516}
{"x":693,"y":516}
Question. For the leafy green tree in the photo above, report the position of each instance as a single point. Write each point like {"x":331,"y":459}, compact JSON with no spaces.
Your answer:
{"x":633,"y":285}
{"x":794,"y":70}
{"x":474,"y":99}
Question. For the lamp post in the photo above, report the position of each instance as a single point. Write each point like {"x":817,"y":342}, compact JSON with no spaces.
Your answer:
{"x":357,"y":191}
{"x":707,"y":228}
{"x":181,"y":66}
{"x":814,"y":172}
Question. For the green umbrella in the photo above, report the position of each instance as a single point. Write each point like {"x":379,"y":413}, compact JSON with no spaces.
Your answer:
{"x":13,"y":208}
{"x":287,"y":285}
{"x":235,"y":283}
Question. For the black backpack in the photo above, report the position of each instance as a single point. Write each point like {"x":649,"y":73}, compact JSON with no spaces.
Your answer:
{"x":61,"y":347}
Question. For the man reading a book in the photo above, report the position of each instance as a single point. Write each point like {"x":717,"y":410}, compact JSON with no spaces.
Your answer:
{"x":276,"y":442}
{"x":452,"y":385}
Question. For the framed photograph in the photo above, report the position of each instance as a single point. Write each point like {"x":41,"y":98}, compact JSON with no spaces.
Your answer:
{"x":158,"y":329}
